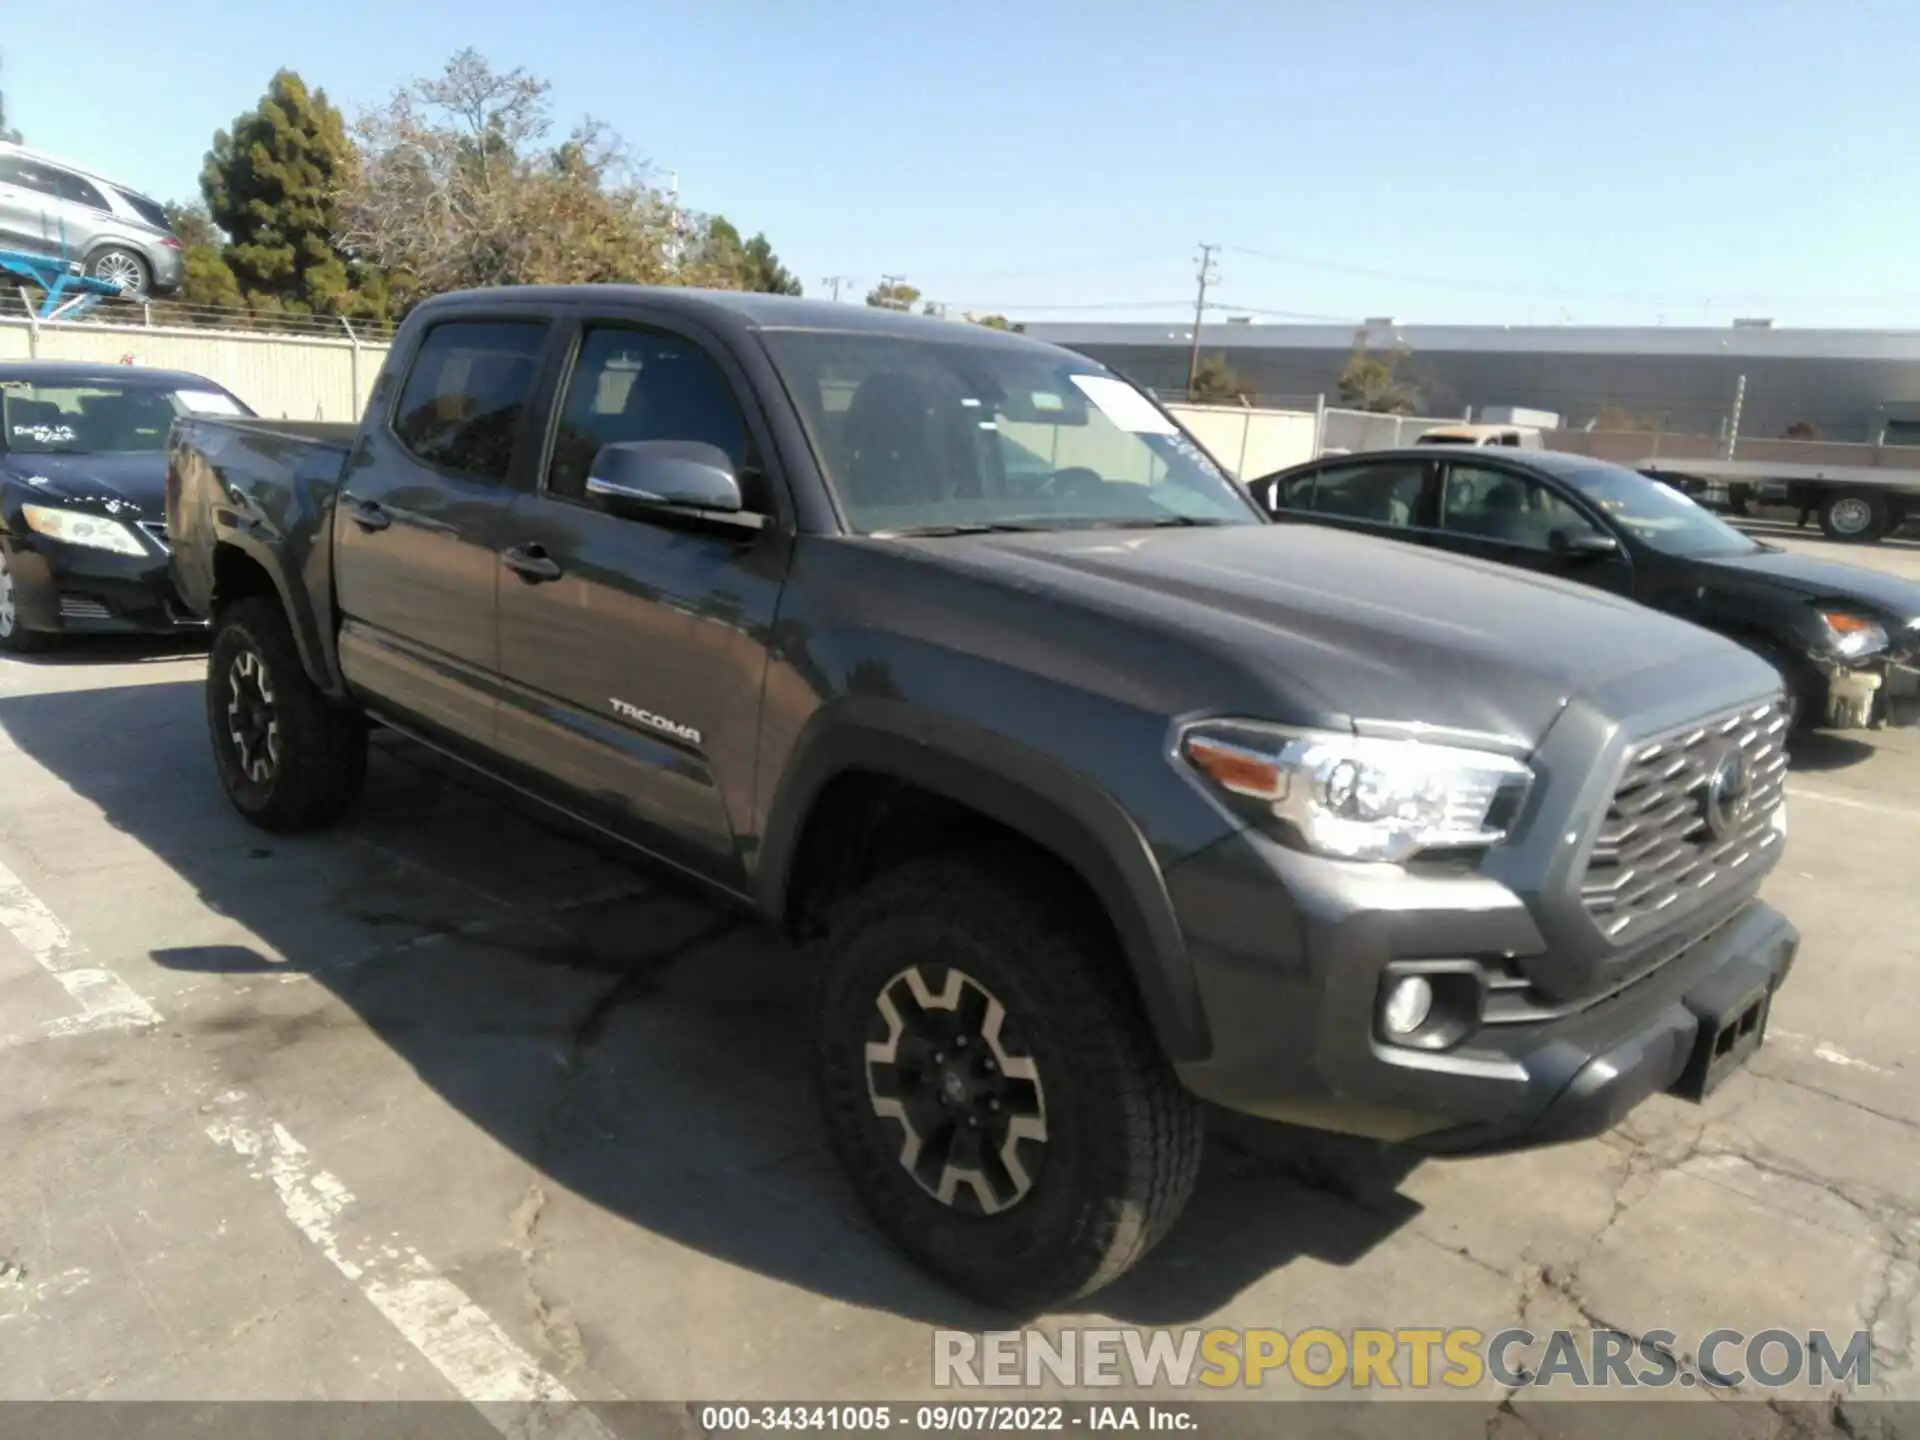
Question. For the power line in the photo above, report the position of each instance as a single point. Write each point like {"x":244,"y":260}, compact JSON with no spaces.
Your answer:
{"x":836,"y":281}
{"x":1074,"y":267}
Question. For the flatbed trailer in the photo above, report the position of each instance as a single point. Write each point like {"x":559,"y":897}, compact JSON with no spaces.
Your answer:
{"x":1855,"y":503}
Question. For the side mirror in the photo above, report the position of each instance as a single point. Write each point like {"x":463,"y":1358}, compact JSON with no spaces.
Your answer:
{"x":665,"y":475}
{"x":1590,"y":543}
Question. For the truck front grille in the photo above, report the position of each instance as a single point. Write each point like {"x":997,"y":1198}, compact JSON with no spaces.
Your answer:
{"x":1692,"y":807}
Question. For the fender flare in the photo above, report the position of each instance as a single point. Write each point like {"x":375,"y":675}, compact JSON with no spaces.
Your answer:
{"x":316,"y":656}
{"x":1024,"y":790}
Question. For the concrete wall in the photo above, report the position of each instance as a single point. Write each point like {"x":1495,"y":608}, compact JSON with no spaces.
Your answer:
{"x":284,"y":377}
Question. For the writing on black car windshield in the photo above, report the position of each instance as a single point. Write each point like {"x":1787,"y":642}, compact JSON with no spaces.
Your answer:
{"x":99,"y":419}
{"x":920,"y":437}
{"x":1657,"y":515}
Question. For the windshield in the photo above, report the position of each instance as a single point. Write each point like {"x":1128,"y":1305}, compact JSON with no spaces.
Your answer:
{"x":1658,"y":515}
{"x":99,"y":418}
{"x":929,"y":436}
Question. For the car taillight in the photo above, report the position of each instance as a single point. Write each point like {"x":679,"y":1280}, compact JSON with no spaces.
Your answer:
{"x":172,"y":242}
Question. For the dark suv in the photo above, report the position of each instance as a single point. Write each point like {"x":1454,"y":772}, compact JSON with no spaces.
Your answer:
{"x":1089,"y":793}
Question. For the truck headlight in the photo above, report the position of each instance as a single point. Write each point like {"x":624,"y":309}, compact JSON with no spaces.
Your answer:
{"x":1853,"y":635}
{"x":76,"y":527}
{"x":1358,"y":798}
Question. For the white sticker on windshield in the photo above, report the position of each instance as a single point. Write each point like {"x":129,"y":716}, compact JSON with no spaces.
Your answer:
{"x":207,"y":402}
{"x":1124,"y":405}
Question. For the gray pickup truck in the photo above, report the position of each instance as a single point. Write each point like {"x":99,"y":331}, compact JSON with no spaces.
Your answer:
{"x":1092,"y":797}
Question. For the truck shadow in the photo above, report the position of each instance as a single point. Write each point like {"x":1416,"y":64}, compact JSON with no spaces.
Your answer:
{"x":632,"y":1042}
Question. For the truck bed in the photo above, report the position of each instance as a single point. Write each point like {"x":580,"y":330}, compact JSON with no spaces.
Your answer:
{"x":260,"y":489}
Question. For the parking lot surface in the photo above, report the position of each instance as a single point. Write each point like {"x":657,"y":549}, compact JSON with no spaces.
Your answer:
{"x":455,"y":1103}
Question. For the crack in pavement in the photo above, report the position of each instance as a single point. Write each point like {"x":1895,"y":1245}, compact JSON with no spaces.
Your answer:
{"x":553,"y":1322}
{"x":1838,"y":1099}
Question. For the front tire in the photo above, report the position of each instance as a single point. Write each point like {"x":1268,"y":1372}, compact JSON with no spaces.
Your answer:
{"x":289,"y":758}
{"x":15,"y":638}
{"x":993,"y":1088}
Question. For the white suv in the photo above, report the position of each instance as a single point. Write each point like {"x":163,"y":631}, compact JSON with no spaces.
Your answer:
{"x":48,"y":207}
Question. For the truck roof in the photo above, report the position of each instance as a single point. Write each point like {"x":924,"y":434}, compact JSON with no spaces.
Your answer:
{"x":742,"y":310}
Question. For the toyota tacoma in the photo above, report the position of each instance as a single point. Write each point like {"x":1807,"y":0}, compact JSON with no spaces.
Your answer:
{"x":1093,"y":797}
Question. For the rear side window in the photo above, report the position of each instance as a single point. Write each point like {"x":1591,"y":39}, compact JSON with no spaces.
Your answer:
{"x":1295,"y":493}
{"x":147,"y":210}
{"x":1381,"y":494}
{"x":467,"y":392}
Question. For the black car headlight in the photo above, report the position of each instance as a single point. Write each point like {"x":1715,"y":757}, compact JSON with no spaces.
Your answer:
{"x":77,"y":527}
{"x":1850,"y":635}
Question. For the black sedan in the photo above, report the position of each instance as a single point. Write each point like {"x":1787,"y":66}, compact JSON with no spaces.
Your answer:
{"x":1845,"y":638}
{"x":83,"y":472}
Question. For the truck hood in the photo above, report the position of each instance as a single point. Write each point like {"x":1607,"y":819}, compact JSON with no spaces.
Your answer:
{"x":1888,"y":596}
{"x":1370,"y":629}
{"x":108,"y":481}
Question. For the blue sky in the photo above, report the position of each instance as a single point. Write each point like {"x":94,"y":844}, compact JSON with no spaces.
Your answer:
{"x":1516,"y":163}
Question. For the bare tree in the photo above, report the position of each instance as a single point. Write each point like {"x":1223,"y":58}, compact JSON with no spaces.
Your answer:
{"x":458,"y":185}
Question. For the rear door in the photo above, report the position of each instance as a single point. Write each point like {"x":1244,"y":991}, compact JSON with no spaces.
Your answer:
{"x":81,"y":215}
{"x":1516,"y":518}
{"x":417,"y":525}
{"x":633,"y":645}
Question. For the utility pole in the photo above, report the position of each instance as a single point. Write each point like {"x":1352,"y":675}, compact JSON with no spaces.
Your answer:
{"x":887,"y":282}
{"x":1207,"y":276}
{"x":836,"y":281}
{"x":1739,"y":403}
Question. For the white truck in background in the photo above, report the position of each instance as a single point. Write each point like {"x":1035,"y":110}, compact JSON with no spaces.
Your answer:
{"x":1860,"y":493}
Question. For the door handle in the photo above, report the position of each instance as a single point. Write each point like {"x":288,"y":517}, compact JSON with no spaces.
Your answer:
{"x":531,"y":563}
{"x":370,"y":515}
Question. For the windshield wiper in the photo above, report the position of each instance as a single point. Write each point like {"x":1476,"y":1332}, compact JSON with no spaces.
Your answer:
{"x":959,"y":527}
{"x":1150,"y":522}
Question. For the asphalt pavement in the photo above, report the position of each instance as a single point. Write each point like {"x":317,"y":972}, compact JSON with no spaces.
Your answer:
{"x":457,"y":1104}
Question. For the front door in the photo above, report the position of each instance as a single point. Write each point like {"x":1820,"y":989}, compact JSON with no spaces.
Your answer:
{"x":417,"y":523}
{"x":28,"y":193}
{"x":633,"y":646}
{"x":1516,"y":519}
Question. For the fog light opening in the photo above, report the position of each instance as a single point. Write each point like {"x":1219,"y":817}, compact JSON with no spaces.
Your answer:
{"x":1408,"y":1004}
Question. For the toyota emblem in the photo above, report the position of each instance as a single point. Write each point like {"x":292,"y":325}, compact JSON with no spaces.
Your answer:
{"x":1729,"y":798}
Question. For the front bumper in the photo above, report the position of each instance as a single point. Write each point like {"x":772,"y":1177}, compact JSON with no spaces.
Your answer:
{"x":1881,"y":691}
{"x":74,"y":589}
{"x":1290,"y":974}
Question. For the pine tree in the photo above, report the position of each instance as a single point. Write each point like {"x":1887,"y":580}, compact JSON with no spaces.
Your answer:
{"x":271,"y":185}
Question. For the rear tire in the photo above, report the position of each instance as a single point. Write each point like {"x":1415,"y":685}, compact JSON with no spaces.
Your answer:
{"x":128,"y":267}
{"x":1039,"y":1178}
{"x":289,"y":758}
{"x":1856,"y":517}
